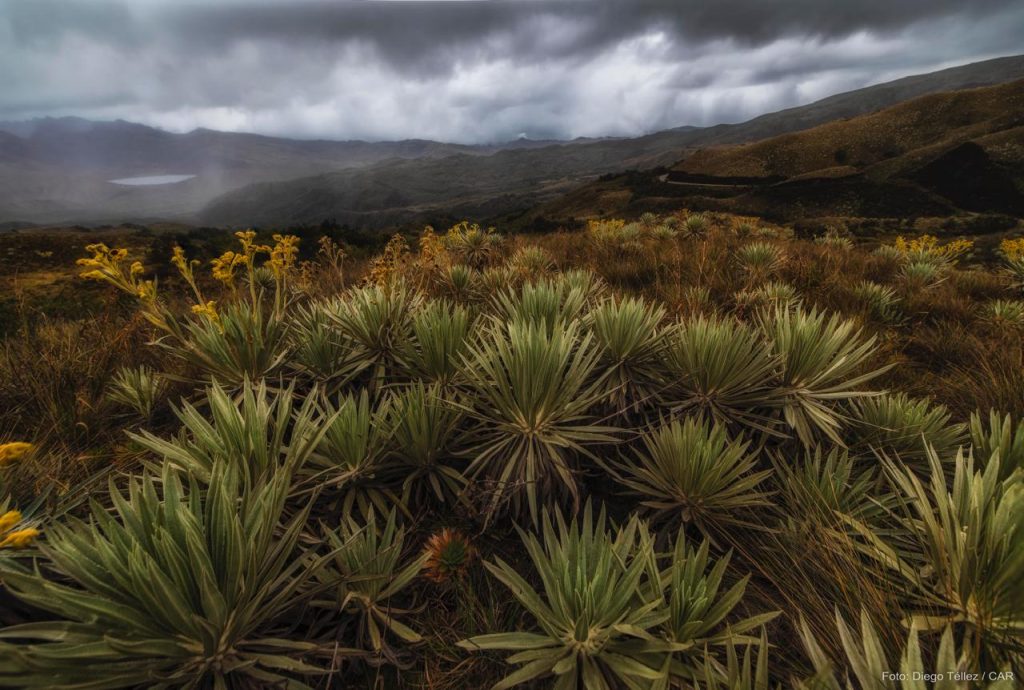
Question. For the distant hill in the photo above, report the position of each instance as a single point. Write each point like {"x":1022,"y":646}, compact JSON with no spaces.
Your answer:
{"x":870,"y":99}
{"x":859,"y":143}
{"x":513,"y":180}
{"x":940,"y":154}
{"x":962,"y":150}
{"x":470,"y":186}
{"x":58,"y":170}
{"x":54,"y":170}
{"x":129,"y":149}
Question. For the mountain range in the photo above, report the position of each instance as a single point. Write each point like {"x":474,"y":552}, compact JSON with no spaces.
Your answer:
{"x":930,"y":155}
{"x":60,"y":170}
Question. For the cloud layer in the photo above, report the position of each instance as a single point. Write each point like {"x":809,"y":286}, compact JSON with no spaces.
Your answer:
{"x":471,"y":70}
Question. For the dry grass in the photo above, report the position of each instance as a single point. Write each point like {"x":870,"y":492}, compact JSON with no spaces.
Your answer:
{"x":54,"y":372}
{"x":867,"y":139}
{"x":941,"y":344}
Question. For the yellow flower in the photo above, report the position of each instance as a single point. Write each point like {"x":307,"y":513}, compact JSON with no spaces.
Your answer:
{"x":93,"y":275}
{"x":249,"y":249}
{"x":957,"y":247}
{"x":9,"y":520}
{"x":107,"y":264}
{"x":209,"y":310}
{"x":224,"y":266}
{"x":12,"y":452}
{"x":147,"y":290}
{"x":1013,"y":249}
{"x":605,"y":225}
{"x":283,"y":254}
{"x":178,"y":259}
{"x":187,"y":270}
{"x":928,"y":247}
{"x":387,"y":265}
{"x":246,"y":237}
{"x":606,"y":231}
{"x":19,"y":539}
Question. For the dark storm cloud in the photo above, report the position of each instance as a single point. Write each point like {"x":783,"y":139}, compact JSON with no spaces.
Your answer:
{"x":471,"y":70}
{"x":406,"y":31}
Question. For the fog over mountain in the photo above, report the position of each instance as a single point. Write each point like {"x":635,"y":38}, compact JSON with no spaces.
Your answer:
{"x":287,"y":110}
{"x":72,"y":170}
{"x":475,"y":71}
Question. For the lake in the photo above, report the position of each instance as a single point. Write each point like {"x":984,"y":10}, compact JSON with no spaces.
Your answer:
{"x":152,"y":180}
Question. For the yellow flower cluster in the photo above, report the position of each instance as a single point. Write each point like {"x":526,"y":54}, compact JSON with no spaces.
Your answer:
{"x":1013,"y":249}
{"x":386,"y":266}
{"x":465,"y":232}
{"x":283,"y":255}
{"x":9,"y":520}
{"x":11,"y":453}
{"x":606,"y":225}
{"x":250,"y":249}
{"x":224,"y":267}
{"x":185,"y":267}
{"x":12,"y":538}
{"x":108,"y":265}
{"x":111,"y":266}
{"x":249,"y":246}
{"x":187,"y":270}
{"x":147,"y":290}
{"x":209,"y":310}
{"x":927,"y":246}
{"x":471,"y":244}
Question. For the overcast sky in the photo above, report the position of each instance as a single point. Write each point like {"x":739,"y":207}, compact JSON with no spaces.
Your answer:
{"x":471,"y":70}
